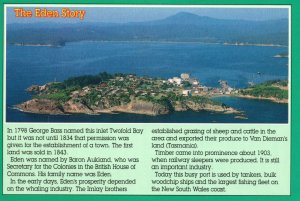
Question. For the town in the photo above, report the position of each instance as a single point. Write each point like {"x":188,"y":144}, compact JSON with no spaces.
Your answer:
{"x":192,"y":86}
{"x":129,"y":93}
{"x":122,"y":87}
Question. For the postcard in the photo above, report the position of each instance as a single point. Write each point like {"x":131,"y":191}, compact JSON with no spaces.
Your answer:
{"x":147,"y":100}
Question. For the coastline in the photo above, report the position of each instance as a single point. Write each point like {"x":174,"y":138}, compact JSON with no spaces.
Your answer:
{"x":255,"y":44}
{"x":43,"y":106}
{"x":36,"y":45}
{"x":272,"y":99}
{"x":154,"y":41}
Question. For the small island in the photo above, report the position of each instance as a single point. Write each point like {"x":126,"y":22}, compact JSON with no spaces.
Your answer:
{"x":126,"y":93}
{"x":281,"y":55}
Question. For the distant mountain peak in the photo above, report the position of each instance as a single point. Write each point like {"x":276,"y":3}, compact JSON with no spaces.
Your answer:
{"x":187,"y":15}
{"x":183,"y":14}
{"x":185,"y":18}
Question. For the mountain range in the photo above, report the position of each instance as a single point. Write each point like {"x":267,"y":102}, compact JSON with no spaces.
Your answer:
{"x":181,"y":27}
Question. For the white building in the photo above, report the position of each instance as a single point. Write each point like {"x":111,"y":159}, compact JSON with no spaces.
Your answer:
{"x":195,"y":82}
{"x":186,"y":92}
{"x":175,"y":80}
{"x":171,"y":80}
{"x":185,"y":76}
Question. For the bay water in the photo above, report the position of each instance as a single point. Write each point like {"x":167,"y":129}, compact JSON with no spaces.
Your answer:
{"x":28,"y":65}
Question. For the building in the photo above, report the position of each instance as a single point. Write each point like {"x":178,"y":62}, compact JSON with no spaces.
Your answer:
{"x":103,"y":84}
{"x":175,"y":80}
{"x":203,"y":88}
{"x":170,"y":80}
{"x":186,"y":92}
{"x":229,"y":90}
{"x":195,"y":83}
{"x":185,"y":76}
{"x":75,"y":94}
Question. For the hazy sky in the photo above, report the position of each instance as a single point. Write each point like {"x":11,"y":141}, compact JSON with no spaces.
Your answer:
{"x":123,"y":15}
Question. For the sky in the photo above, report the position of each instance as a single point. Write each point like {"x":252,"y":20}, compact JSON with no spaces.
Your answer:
{"x":138,"y":14}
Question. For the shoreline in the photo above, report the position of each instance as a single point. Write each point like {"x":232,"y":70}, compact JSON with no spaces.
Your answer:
{"x":116,"y":112}
{"x":272,"y":99}
{"x":23,"y":107}
{"x":149,"y":41}
{"x":35,"y":45}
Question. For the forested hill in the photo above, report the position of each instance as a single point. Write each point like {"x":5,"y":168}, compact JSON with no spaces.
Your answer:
{"x":183,"y":26}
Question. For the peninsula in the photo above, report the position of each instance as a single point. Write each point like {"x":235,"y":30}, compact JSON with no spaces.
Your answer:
{"x":273,"y":90}
{"x":126,"y":93}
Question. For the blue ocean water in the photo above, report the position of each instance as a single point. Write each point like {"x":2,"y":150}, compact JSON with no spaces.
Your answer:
{"x":27,"y":65}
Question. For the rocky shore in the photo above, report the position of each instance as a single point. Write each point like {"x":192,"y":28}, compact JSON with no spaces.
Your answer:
{"x":44,"y":106}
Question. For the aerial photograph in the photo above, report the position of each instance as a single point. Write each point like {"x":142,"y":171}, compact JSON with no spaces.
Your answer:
{"x":147,"y":64}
